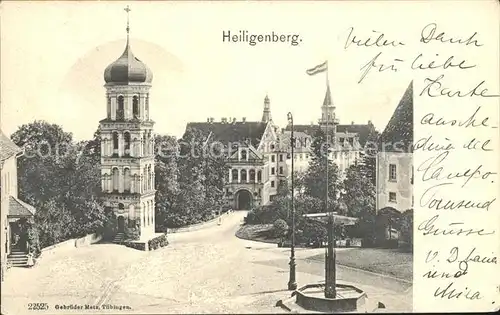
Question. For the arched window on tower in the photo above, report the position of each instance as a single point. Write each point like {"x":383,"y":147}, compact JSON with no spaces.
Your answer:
{"x":147,"y":108}
{"x":126,"y":180}
{"x":109,"y":107}
{"x":252,"y":175}
{"x":144,"y":145}
{"x":234,"y":173}
{"x":135,"y":107}
{"x":243,"y":175}
{"x":115,"y":143}
{"x":116,"y":179}
{"x":120,"y":112}
{"x":259,"y":176}
{"x":126,"y":137}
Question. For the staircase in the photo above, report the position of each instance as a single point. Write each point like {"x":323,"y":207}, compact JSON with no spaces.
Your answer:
{"x":17,"y":257}
{"x":119,"y":237}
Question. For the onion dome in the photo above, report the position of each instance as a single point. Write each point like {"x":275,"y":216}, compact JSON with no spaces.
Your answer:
{"x":127,"y":69}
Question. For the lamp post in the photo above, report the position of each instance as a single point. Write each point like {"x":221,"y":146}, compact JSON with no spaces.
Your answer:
{"x":292,"y":283}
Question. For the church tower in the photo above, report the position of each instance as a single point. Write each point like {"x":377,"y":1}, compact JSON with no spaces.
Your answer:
{"x":266,"y":115}
{"x":127,"y":146}
{"x":328,"y":113}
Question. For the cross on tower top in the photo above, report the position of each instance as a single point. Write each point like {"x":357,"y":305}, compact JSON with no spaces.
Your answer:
{"x":127,"y":9}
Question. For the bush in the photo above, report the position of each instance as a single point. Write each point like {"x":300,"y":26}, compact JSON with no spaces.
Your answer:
{"x":29,"y":228}
{"x":407,"y":227}
{"x":280,"y":228}
{"x":158,"y":242}
{"x":312,"y":231}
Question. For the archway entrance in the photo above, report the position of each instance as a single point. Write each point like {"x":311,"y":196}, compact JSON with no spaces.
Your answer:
{"x":243,"y":200}
{"x":121,"y":224}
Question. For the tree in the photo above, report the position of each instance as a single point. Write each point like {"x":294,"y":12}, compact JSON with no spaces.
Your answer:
{"x":42,"y":170}
{"x":283,"y":189}
{"x":407,"y":227}
{"x":166,"y":178}
{"x":368,"y":161}
{"x":215,"y":172}
{"x":314,"y":179}
{"x":62,"y":179}
{"x":359,"y":192}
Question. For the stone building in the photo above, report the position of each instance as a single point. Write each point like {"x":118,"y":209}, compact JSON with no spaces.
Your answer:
{"x":256,"y":163}
{"x":127,"y":146}
{"x":347,"y":141}
{"x":259,"y":152}
{"x":14,"y":244}
{"x":395,"y":158}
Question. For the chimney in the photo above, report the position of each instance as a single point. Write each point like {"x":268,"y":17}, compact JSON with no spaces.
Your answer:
{"x":243,"y":120}
{"x":223,"y":120}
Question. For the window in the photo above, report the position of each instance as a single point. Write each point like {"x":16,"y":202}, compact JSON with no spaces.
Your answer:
{"x":115,"y":179}
{"x":243,"y":154}
{"x":307,"y":155}
{"x":126,"y":137}
{"x":234,"y":174}
{"x":392,"y":197}
{"x":115,"y":140}
{"x":411,"y":181}
{"x":120,"y":111}
{"x":243,"y":175}
{"x":126,"y":180}
{"x":281,"y":169}
{"x":252,"y":175}
{"x":392,"y":172}
{"x":281,"y":157}
{"x":273,"y":159}
{"x":272,"y":183}
{"x":109,"y":107}
{"x":259,"y":176}
{"x":135,"y":106}
{"x":272,"y":170}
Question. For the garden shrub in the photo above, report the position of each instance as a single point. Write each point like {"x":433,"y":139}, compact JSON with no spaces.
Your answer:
{"x":280,"y":228}
{"x":158,"y":242}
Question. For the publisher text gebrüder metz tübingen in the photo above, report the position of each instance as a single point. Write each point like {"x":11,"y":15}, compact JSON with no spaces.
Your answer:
{"x":244,"y":36}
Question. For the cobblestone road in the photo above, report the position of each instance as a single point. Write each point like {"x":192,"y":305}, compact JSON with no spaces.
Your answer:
{"x":205,"y":271}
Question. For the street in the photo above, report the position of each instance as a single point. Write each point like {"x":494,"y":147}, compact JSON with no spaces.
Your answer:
{"x":204,"y":271}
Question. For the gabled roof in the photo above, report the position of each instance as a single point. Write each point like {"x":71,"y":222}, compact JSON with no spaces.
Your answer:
{"x":232,"y":131}
{"x":18,"y":208}
{"x":7,"y":147}
{"x":363,"y":131}
{"x":398,"y":134}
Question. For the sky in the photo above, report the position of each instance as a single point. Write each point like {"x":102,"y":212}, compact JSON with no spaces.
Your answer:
{"x":53,"y":63}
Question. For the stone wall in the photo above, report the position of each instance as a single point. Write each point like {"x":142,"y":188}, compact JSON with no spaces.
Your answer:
{"x":199,"y":226}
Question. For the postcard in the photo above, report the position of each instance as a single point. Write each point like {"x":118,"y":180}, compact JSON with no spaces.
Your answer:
{"x":227,"y":157}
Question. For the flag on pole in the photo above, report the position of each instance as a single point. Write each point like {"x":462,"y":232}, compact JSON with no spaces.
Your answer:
{"x":318,"y":69}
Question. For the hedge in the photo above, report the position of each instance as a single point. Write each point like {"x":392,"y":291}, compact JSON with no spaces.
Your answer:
{"x":158,"y":242}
